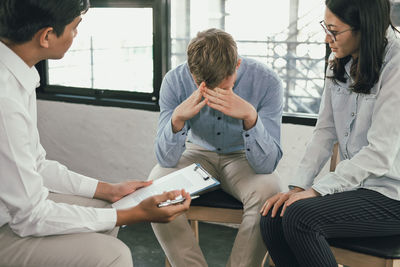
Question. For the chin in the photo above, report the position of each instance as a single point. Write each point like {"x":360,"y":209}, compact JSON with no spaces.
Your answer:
{"x":57,"y":56}
{"x":338,"y":55}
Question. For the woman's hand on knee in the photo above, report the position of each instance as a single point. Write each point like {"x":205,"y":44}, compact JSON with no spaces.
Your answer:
{"x":276,"y":201}
{"x":309,"y":193}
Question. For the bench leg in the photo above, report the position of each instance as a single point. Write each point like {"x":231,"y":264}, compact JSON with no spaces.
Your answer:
{"x":195,"y":227}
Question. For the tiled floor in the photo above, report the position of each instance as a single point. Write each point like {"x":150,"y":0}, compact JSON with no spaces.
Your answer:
{"x":215,"y":240}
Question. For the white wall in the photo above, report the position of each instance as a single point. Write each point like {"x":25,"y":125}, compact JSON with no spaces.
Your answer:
{"x":117,"y":144}
{"x":113,"y":144}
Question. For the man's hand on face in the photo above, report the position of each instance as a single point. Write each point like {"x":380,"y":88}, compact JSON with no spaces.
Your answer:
{"x":229,"y":103}
{"x":188,"y":109}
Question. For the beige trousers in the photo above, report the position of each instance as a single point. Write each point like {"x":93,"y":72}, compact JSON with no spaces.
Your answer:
{"x":82,"y":249}
{"x":238,"y":179}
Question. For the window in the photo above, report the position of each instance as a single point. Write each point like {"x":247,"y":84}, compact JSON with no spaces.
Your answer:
{"x":125,"y":47}
{"x":118,"y":57}
{"x":106,"y":56}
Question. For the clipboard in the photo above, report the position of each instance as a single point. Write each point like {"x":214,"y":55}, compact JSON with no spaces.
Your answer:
{"x":193,"y":178}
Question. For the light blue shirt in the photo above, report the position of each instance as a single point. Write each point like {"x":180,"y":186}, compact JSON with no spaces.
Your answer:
{"x":367,"y":129}
{"x":217,"y":132}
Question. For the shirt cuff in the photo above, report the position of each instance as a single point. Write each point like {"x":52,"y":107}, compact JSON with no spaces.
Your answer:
{"x":175,"y":138}
{"x":301,"y":179}
{"x":106,"y":219}
{"x":250,"y":136}
{"x":88,"y":187}
{"x":328,"y":184}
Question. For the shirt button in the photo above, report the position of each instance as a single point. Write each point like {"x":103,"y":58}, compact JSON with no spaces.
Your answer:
{"x":218,"y":133}
{"x":346,"y":134}
{"x":353,"y":114}
{"x":248,"y":149}
{"x":247,"y":135}
{"x":218,"y":118}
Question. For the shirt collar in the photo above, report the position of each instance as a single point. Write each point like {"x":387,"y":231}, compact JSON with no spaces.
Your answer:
{"x":26,"y":76}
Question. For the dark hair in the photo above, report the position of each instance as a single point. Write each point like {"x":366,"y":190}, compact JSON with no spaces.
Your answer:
{"x":20,"y":20}
{"x":371,"y":18}
{"x":212,"y":56}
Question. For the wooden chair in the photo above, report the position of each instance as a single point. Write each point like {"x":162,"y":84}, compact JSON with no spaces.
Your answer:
{"x":367,"y":251}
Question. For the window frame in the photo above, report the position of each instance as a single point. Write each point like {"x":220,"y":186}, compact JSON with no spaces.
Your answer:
{"x":101,"y":97}
{"x":161,"y":65}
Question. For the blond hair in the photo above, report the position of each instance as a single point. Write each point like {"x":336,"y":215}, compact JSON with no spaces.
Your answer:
{"x":212,"y":56}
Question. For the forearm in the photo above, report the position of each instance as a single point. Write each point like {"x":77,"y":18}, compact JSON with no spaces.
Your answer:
{"x":262,"y":147}
{"x":250,"y":118}
{"x":177,"y":123}
{"x":169,"y":146}
{"x":130,"y":216}
{"x":57,"y":178}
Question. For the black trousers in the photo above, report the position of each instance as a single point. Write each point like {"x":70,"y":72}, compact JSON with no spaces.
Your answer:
{"x":299,"y":237}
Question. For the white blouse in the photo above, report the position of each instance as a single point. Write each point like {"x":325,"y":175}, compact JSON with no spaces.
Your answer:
{"x":367,"y":129}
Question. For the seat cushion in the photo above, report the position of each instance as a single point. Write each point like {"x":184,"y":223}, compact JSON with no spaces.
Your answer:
{"x":217,"y":199}
{"x":383,"y":247}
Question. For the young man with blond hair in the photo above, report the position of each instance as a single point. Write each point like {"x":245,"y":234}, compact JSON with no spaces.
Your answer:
{"x":224,"y":112}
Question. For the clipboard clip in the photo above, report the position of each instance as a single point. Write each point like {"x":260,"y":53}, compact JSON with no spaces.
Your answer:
{"x":202,"y":172}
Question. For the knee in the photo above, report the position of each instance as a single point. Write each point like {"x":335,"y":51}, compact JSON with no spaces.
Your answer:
{"x":269,"y":227}
{"x":297,"y":218}
{"x":118,"y":254}
{"x":261,"y":191}
{"x":158,"y":172}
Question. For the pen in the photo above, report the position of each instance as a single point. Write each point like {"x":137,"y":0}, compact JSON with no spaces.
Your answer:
{"x":173,"y":202}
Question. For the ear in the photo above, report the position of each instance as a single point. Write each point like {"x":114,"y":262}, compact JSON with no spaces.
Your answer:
{"x":238,"y":63}
{"x":45,"y":35}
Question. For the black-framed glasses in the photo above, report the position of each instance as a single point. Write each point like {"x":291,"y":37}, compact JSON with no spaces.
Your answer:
{"x":332,"y":35}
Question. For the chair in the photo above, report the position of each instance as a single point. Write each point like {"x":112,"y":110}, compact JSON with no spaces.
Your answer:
{"x":366,"y":251}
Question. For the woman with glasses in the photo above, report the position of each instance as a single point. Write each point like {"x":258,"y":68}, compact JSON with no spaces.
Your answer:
{"x":360,"y":102}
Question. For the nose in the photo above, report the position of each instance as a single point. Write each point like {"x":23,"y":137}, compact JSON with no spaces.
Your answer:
{"x":328,"y":38}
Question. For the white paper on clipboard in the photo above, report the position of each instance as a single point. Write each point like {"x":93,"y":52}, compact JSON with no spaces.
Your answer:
{"x":193,"y":178}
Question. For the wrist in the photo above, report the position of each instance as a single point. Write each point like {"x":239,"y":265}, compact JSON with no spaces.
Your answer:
{"x":104,"y":191}
{"x":297,"y":189}
{"x":250,"y":119}
{"x":176,"y":123}
{"x":130,"y":216}
{"x":315,"y":192}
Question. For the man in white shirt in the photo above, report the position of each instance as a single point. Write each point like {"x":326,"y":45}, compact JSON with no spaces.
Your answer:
{"x":38,"y":228}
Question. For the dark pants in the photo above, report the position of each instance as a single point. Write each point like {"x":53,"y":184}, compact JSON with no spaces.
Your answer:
{"x":299,"y":237}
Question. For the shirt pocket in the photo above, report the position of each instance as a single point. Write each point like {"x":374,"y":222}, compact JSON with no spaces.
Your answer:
{"x":366,"y":105}
{"x":340,"y":98}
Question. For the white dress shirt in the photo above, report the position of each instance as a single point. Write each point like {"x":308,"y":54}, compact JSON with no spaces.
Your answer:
{"x":367,"y":129}
{"x":26,"y":176}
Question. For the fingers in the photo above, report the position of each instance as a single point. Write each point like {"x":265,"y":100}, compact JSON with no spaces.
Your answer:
{"x":201,"y":104}
{"x":269,"y":203}
{"x":283,"y":209}
{"x":171,"y":195}
{"x":265,"y":208}
{"x":143,"y":184}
